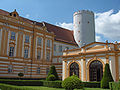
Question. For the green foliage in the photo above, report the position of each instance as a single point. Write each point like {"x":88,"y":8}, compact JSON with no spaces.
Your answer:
{"x":107,"y":77}
{"x":72,"y":82}
{"x":91,"y":84}
{"x":22,"y":82}
{"x":51,"y":78}
{"x":114,"y":85}
{"x":53,"y":72}
{"x":20,"y":74}
{"x":54,"y":84}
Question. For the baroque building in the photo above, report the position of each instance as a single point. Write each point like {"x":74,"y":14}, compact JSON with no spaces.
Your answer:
{"x":31,"y":47}
{"x":88,"y":61}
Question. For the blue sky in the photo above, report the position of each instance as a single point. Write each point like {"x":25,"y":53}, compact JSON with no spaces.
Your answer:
{"x":61,"y":11}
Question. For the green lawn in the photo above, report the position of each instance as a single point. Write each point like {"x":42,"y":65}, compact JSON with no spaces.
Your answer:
{"x":47,"y":88}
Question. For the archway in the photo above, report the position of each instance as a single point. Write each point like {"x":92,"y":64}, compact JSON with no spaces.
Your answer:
{"x":74,"y":69}
{"x":95,"y":70}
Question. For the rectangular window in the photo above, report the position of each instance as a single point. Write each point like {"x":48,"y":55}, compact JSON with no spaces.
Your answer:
{"x":12,"y":35}
{"x":26,"y":38}
{"x":26,"y":53}
{"x":48,"y":43}
{"x":60,"y":48}
{"x":11,"y":52}
{"x":38,"y":55}
{"x":39,"y":41}
{"x":47,"y":70}
{"x":67,"y":48}
{"x":48,"y":56}
{"x":10,"y":68}
{"x":54,"y":47}
{"x":25,"y":69}
{"x":38,"y":70}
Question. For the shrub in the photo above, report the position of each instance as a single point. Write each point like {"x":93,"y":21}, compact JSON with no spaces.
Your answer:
{"x":72,"y":82}
{"x":53,"y":72}
{"x":91,"y":84}
{"x":51,"y":78}
{"x":20,"y":74}
{"x":107,"y":77}
{"x":114,"y":85}
{"x":54,"y":84}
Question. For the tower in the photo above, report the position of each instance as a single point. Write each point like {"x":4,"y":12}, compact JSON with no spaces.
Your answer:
{"x":84,"y":27}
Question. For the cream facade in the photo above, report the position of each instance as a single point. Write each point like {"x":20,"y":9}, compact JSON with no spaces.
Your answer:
{"x":88,"y":62}
{"x":26,"y":46}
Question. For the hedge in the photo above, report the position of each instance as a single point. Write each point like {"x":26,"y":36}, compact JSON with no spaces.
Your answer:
{"x":23,"y":82}
{"x":114,"y":85}
{"x":54,"y":84}
{"x":12,"y":87}
{"x":92,"y":84}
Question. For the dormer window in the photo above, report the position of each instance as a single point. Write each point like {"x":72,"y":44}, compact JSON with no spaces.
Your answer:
{"x":14,"y":15}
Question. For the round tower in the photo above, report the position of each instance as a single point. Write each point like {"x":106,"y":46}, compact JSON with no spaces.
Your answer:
{"x":84,"y":27}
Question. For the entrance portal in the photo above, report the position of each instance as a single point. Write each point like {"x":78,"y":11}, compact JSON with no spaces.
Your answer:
{"x":95,"y":71}
{"x":74,"y":69}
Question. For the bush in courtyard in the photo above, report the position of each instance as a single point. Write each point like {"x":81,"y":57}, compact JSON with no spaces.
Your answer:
{"x":51,"y":78}
{"x":72,"y":82}
{"x":20,"y":74}
{"x":53,"y":72}
{"x":107,"y":77}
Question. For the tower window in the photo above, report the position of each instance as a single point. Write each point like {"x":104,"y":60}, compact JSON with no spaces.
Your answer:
{"x":11,"y":52}
{"x":79,"y":22}
{"x":88,"y":22}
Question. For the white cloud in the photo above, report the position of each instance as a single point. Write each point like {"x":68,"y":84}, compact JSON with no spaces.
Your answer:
{"x":27,"y":16}
{"x":107,"y":24}
{"x":98,"y":39}
{"x":66,"y":25}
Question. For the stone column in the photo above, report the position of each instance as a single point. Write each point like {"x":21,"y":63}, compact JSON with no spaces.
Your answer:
{"x":117,"y":67}
{"x":84,"y":69}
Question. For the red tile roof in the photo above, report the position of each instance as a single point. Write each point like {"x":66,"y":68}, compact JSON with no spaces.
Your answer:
{"x":61,"y":34}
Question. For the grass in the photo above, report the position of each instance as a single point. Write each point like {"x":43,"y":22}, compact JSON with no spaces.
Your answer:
{"x":48,"y":88}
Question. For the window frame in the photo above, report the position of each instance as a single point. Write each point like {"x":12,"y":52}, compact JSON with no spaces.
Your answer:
{"x":12,"y":36}
{"x":11,"y":51}
{"x":27,"y":37}
{"x":26,"y":51}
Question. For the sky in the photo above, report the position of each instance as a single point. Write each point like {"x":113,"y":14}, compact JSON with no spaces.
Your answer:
{"x":60,"y":13}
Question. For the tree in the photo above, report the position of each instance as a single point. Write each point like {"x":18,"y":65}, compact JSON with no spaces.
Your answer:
{"x":107,"y":77}
{"x":53,"y":72}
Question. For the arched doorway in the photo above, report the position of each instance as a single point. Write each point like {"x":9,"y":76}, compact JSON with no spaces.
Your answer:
{"x":95,"y":70}
{"x":74,"y":69}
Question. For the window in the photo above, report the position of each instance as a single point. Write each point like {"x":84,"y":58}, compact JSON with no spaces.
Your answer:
{"x":10,"y":68}
{"x":11,"y":52}
{"x":38,"y":55}
{"x":13,"y":35}
{"x":67,"y":48}
{"x":54,"y":47}
{"x":39,"y":41}
{"x":48,"y":43}
{"x":60,"y":48}
{"x":25,"y":69}
{"x":26,"y":38}
{"x":38,"y":70}
{"x":47,"y":70}
{"x":26,"y":53}
{"x":48,"y":56}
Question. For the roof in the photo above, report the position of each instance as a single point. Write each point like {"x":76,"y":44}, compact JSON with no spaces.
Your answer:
{"x":61,"y":34}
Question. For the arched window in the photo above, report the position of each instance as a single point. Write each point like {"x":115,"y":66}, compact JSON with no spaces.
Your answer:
{"x":95,"y":70}
{"x":74,"y":69}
